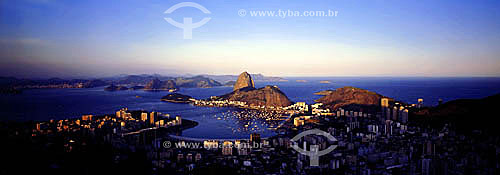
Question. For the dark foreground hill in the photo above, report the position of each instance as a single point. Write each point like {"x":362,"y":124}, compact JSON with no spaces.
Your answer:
{"x":465,"y":114}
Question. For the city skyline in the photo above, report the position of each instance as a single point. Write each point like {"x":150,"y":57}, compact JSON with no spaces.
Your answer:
{"x":51,"y":38}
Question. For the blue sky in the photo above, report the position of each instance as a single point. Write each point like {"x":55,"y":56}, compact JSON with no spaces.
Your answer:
{"x":47,"y":38}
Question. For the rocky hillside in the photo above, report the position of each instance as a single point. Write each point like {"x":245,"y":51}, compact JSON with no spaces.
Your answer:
{"x":268,"y":96}
{"x":157,"y":84}
{"x":243,"y":81}
{"x":351,"y":98}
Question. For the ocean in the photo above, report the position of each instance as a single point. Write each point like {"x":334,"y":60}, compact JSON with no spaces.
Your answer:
{"x":45,"y":104}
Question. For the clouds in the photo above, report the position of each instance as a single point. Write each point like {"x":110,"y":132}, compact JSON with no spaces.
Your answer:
{"x":25,"y":42}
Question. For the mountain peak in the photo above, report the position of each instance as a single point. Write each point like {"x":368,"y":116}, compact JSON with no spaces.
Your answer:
{"x":244,"y":80}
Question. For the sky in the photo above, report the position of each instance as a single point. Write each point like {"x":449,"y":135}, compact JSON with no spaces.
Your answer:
{"x":95,"y":38}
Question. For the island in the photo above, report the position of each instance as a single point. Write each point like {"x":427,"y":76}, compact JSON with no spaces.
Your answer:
{"x":325,"y":92}
{"x":177,"y":98}
{"x":115,"y":88}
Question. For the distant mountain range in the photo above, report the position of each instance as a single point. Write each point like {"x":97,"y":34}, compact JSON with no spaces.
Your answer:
{"x":133,"y":81}
{"x":122,"y":82}
{"x":11,"y":82}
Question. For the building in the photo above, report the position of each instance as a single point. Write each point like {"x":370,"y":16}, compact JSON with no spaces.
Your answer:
{"x":404,"y":116}
{"x":255,"y":138}
{"x":227,"y":148}
{"x":395,"y":113}
{"x":298,"y":121}
{"x":317,"y":105}
{"x":87,"y":117}
{"x":241,"y":147}
{"x":121,"y":112}
{"x":189,"y":157}
{"x":126,"y":115}
{"x":178,"y":120}
{"x":420,"y":103}
{"x":144,"y":116}
{"x":387,"y":113}
{"x":384,"y":102}
{"x":210,"y":144}
{"x":197,"y":157}
{"x":152,"y":117}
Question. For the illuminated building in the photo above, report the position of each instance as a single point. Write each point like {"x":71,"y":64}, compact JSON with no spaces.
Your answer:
{"x":384,"y":102}
{"x":87,"y":117}
{"x":178,"y":120}
{"x":255,"y":138}
{"x":152,"y":118}
{"x":144,"y":116}
{"x":227,"y":148}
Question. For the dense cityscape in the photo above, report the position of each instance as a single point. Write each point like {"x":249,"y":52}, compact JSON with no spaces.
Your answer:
{"x":384,"y":142}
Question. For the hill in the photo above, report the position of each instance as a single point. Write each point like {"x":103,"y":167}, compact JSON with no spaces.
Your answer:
{"x":157,"y":84}
{"x":465,"y":114}
{"x":243,"y":81}
{"x":351,"y":98}
{"x":266,"y":96}
{"x":196,"y":81}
